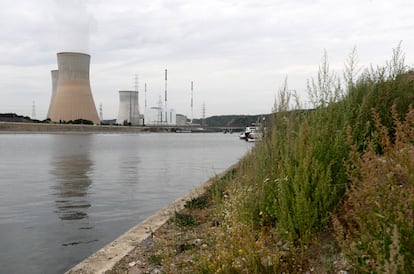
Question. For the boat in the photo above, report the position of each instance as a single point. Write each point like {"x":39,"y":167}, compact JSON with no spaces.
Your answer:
{"x":183,"y":130}
{"x":251,"y":133}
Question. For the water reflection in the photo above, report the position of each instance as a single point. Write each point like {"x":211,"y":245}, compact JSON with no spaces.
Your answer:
{"x":71,"y":167}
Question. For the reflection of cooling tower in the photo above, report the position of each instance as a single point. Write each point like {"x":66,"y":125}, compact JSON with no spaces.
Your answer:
{"x":128,"y":107}
{"x":55,"y":75}
{"x":73,"y":97}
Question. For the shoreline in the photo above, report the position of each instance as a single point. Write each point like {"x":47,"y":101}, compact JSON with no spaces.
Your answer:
{"x":107,"y":257}
{"x":16,"y":127}
{"x":24,"y":128}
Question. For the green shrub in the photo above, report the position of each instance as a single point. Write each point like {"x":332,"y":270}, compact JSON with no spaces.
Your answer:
{"x":305,"y":168}
{"x":376,"y":224}
{"x":198,"y":203}
{"x":182,"y":219}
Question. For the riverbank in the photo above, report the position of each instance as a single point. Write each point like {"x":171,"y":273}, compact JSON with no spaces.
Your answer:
{"x":21,"y":127}
{"x":7,"y":127}
{"x":183,"y":238}
{"x":128,"y":249}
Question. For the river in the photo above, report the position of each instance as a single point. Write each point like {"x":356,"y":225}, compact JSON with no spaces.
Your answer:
{"x":64,"y":196}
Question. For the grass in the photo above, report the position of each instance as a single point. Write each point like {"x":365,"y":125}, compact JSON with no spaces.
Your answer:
{"x":183,"y":219}
{"x":328,"y":189}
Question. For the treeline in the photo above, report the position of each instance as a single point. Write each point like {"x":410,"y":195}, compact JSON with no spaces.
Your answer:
{"x":346,"y":168}
{"x":13,"y":117}
{"x":230,"y":120}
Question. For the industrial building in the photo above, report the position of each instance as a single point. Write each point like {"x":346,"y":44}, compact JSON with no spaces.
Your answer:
{"x":71,"y":92}
{"x":156,"y":116}
{"x":128,"y":108}
{"x":181,"y":120}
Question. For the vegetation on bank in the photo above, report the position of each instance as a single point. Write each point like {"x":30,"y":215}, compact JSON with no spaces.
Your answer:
{"x":13,"y":117}
{"x":347,"y":166}
{"x":326,"y":190}
{"x":229,"y":120}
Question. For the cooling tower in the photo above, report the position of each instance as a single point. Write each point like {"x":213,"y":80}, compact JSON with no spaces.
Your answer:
{"x":73,"y":97}
{"x":128,"y":107}
{"x":55,"y":75}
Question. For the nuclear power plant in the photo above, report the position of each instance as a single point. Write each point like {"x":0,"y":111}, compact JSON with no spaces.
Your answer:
{"x":71,"y":91}
{"x":55,"y":75}
{"x":72,"y":99}
{"x":128,"y":108}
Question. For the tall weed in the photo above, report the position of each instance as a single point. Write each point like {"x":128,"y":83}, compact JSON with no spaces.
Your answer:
{"x":288,"y":187}
{"x":375,"y":226}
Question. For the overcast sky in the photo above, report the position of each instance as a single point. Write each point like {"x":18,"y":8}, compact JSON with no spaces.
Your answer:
{"x":237,"y":52}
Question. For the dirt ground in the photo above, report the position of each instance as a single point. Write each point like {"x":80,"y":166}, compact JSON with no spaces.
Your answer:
{"x":170,"y":248}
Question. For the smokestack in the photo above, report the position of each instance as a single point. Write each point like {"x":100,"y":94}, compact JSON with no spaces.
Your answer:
{"x":165,"y":105}
{"x":55,"y":74}
{"x":73,"y":97}
{"x":128,"y":107}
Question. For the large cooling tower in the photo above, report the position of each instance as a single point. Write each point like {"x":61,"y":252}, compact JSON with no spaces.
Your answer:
{"x":128,"y":107}
{"x":55,"y":75}
{"x":73,"y":97}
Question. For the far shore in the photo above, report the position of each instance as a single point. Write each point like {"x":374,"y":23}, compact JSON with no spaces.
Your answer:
{"x":24,"y":128}
{"x":20,"y":127}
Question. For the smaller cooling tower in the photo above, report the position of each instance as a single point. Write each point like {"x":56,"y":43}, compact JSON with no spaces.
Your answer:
{"x":128,"y":107}
{"x":73,"y":97}
{"x":55,"y":75}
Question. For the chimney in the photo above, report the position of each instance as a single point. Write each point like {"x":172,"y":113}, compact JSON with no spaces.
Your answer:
{"x":72,"y":99}
{"x":55,"y":75}
{"x":128,"y":107}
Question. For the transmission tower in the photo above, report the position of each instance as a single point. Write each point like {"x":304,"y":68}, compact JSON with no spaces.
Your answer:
{"x":145,"y":96}
{"x":33,"y":110}
{"x":137,"y":90}
{"x":204,"y":113}
{"x":160,"y":110}
{"x":191,"y":102}
{"x":100,"y":112}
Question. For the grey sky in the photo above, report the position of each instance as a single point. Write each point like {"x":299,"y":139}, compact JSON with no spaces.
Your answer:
{"x":237,"y":52}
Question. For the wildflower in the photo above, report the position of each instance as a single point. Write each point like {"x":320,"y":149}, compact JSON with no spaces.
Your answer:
{"x":241,"y":251}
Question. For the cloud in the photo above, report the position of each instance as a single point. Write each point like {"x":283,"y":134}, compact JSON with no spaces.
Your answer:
{"x":235,"y":51}
{"x":74,"y":25}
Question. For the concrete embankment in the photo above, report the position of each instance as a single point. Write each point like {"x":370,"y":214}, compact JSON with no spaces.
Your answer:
{"x":107,"y":257}
{"x":6,"y":127}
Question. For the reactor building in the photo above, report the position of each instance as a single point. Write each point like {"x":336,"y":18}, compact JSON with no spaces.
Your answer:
{"x":128,"y":108}
{"x":71,"y":91}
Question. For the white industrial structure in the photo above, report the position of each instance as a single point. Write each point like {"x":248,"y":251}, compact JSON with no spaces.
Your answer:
{"x":155,"y":116}
{"x":128,"y":108}
{"x":71,"y":91}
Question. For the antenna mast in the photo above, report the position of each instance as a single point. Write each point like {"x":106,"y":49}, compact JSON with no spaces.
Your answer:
{"x":191,"y":102}
{"x":166,"y":109}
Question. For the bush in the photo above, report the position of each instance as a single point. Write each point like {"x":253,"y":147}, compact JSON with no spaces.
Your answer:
{"x":182,"y":219}
{"x":375,"y":226}
{"x":197,"y":203}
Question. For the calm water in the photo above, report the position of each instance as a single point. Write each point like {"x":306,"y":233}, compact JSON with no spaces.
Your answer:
{"x":62,"y":197}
